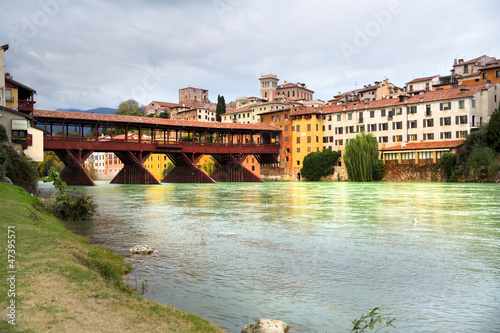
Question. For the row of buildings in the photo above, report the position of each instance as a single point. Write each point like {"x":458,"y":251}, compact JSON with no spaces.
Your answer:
{"x":415,"y":123}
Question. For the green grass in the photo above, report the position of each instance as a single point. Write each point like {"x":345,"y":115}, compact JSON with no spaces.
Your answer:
{"x":65,"y":284}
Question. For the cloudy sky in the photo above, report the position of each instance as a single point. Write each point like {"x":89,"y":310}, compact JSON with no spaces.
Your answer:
{"x":91,"y":53}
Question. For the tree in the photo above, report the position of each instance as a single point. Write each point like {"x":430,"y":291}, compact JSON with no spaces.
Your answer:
{"x":449,"y":161}
{"x":50,"y":161}
{"x":318,"y":164}
{"x":493,"y":136}
{"x":361,"y":158}
{"x":129,"y":108}
{"x":481,"y":163}
{"x":221,"y":107}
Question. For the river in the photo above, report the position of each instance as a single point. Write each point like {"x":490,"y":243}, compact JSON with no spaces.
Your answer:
{"x":315,"y":255}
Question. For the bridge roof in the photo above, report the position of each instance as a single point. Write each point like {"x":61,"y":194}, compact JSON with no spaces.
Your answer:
{"x":89,"y":117}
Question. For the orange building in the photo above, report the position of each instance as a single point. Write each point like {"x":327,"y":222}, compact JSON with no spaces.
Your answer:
{"x":281,"y":118}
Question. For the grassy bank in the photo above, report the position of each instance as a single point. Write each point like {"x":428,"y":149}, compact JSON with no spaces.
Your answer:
{"x":64,"y":284}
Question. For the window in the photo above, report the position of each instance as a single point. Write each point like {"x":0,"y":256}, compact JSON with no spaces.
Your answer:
{"x":382,"y":113}
{"x":445,"y":135}
{"x":461,"y":120}
{"x":309,"y":127}
{"x":298,"y":139}
{"x":428,"y":122}
{"x":285,"y":128}
{"x":309,"y":139}
{"x":485,"y":76}
{"x":383,"y":127}
{"x":461,"y":134}
{"x":446,"y":121}
{"x":461,"y":104}
{"x":397,"y":138}
{"x":8,"y":95}
{"x":349,"y":116}
{"x":397,"y":125}
{"x":298,"y":128}
{"x":383,"y":139}
{"x":298,"y":162}
{"x":412,"y":124}
{"x":298,"y":149}
{"x":372,"y":114}
{"x":412,"y":137}
{"x":411,"y":109}
{"x":428,"y":111}
{"x":339,"y":117}
{"x":473,"y":103}
{"x":428,"y":136}
{"x":372,"y":128}
{"x":445,"y":106}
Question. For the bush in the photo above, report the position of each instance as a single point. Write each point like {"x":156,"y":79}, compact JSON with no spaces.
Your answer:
{"x":318,"y":164}
{"x":67,"y":206}
{"x":3,"y":134}
{"x":481,"y":163}
{"x":493,"y":136}
{"x":449,"y":161}
{"x":20,"y":169}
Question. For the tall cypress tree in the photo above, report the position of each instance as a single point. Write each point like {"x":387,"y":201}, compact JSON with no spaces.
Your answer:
{"x":221,"y":107}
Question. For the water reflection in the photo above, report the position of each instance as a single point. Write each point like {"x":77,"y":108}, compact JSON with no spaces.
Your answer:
{"x":427,"y":252}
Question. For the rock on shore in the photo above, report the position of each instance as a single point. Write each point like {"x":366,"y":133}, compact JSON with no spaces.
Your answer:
{"x":141,"y":249}
{"x":266,"y":326}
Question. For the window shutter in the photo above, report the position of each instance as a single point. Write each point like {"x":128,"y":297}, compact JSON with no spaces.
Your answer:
{"x":441,"y":122}
{"x":441,"y":134}
{"x":457,"y":120}
{"x":441,"y":107}
{"x":424,"y":123}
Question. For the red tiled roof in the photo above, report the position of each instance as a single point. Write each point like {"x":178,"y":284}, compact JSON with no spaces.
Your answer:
{"x":306,"y":110}
{"x":422,"y":79}
{"x":426,"y":145}
{"x":165,"y":104}
{"x":492,"y":64}
{"x":429,"y":96}
{"x":468,"y":62}
{"x":147,"y":120}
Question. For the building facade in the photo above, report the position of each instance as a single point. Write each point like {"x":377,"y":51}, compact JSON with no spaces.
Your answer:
{"x":193,"y":97}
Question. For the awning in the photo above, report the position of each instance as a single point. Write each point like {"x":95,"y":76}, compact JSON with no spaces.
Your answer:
{"x":20,"y":125}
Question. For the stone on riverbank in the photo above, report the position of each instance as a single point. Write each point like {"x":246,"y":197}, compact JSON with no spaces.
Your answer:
{"x":266,"y":326}
{"x":141,"y":249}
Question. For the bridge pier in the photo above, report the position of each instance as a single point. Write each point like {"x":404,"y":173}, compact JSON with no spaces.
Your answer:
{"x":185,"y":170}
{"x":232,"y":170}
{"x":133,"y":171}
{"x":74,"y":173}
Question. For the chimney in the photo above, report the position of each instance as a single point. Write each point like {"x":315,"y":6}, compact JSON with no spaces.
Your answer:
{"x":455,"y":62}
{"x":460,"y":61}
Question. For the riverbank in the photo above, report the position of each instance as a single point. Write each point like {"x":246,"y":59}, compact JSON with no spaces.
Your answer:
{"x":61,"y":283}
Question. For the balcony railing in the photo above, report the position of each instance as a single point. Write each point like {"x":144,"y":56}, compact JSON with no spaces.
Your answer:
{"x":25,"y":105}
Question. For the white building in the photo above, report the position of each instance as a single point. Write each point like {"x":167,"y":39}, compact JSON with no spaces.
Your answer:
{"x":440,"y":115}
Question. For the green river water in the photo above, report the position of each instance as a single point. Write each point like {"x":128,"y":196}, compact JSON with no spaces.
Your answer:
{"x":315,"y":255}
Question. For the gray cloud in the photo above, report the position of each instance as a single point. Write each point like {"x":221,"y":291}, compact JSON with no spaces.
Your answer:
{"x":85,"y":54}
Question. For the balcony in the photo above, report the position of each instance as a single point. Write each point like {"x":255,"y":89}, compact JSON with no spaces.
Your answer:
{"x":26,"y":106}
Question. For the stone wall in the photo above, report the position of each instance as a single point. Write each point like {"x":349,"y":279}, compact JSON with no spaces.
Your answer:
{"x":413,"y":173}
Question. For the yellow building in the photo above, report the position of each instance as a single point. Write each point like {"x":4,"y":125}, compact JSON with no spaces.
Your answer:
{"x":307,"y":136}
{"x":156,"y":163}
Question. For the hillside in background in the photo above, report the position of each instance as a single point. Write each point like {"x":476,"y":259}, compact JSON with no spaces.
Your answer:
{"x":101,"y":110}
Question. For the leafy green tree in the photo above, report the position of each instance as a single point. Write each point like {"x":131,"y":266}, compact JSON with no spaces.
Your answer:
{"x":493,"y":136}
{"x":361,"y":158}
{"x":318,"y":164}
{"x":129,"y":108}
{"x":170,"y":167}
{"x":449,"y":161}
{"x":481,"y":163}
{"x":221,"y":108}
{"x":50,"y":161}
{"x":163,"y":114}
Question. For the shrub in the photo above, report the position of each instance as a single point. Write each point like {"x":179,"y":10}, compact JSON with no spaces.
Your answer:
{"x":449,"y":161}
{"x":67,"y":206}
{"x":3,"y":134}
{"x":481,"y":163}
{"x":20,"y":169}
{"x":318,"y":164}
{"x":493,"y":135}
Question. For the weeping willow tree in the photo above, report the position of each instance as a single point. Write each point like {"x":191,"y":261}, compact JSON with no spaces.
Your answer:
{"x":361,"y":158}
